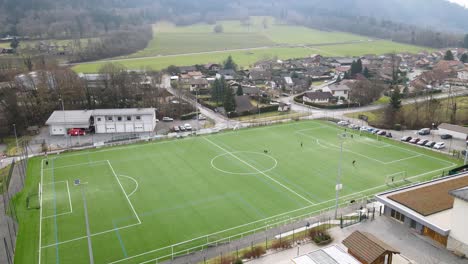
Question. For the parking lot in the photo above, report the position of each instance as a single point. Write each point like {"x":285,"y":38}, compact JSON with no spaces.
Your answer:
{"x":451,"y":144}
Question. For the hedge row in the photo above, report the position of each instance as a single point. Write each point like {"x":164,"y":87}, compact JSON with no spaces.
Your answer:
{"x":188,"y":116}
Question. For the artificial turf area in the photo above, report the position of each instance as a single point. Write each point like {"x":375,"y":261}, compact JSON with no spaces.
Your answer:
{"x":143,"y":198}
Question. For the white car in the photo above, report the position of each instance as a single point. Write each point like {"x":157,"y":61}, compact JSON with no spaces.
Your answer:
{"x":188,"y":127}
{"x":201,"y":117}
{"x":364,"y":128}
{"x":343,"y":123}
{"x":167,"y":119}
{"x":439,"y":145}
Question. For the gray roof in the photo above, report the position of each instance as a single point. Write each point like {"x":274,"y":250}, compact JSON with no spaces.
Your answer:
{"x":124,"y":111}
{"x":338,"y":87}
{"x":83,"y":116}
{"x":318,"y":95}
{"x":461,"y":193}
{"x":69,"y":117}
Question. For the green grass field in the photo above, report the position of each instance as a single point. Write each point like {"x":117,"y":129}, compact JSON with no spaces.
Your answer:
{"x":145,"y":200}
{"x":184,"y":40}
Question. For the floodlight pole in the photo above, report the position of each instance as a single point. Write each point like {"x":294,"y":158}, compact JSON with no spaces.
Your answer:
{"x":338,"y":178}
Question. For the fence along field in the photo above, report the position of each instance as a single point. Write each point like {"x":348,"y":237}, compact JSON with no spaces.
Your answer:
{"x":152,"y":201}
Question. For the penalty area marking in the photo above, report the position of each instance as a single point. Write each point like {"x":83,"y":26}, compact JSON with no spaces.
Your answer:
{"x":243,"y":173}
{"x":135,"y":181}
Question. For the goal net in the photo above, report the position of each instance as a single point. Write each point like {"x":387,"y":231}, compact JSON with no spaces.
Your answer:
{"x":396,"y":178}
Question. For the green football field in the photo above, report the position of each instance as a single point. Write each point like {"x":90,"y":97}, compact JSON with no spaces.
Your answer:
{"x":137,"y":203}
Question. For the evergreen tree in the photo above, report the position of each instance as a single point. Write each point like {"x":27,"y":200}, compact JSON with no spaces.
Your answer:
{"x":229,"y":64}
{"x":358,"y":66}
{"x":215,"y":91}
{"x":338,"y":80}
{"x":366,"y":73}
{"x":464,"y":58}
{"x":395,"y":100}
{"x":239,"y":91}
{"x":14,"y":44}
{"x":448,"y":55}
{"x":353,"y":69}
{"x":465,"y":42}
{"x":346,"y":75}
{"x":229,"y":101}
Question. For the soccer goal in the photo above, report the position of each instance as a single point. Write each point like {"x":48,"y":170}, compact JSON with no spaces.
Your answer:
{"x":396,"y":178}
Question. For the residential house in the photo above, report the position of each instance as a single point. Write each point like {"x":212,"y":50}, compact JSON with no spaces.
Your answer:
{"x":333,"y":254}
{"x":227,"y":74}
{"x":339,"y":90}
{"x":243,"y":104}
{"x":186,"y":69}
{"x":199,"y":85}
{"x":213,"y":67}
{"x":260,"y":76}
{"x":317,"y":97}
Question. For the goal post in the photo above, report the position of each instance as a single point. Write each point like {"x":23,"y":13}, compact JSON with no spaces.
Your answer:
{"x":396,"y":178}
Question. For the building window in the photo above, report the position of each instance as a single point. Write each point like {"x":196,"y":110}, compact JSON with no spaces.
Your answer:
{"x":413,"y":224}
{"x":99,"y":119}
{"x":119,"y":118}
{"x":397,"y":215}
{"x":345,"y":92}
{"x":109,"y":118}
{"x":129,"y":118}
{"x":138,"y":117}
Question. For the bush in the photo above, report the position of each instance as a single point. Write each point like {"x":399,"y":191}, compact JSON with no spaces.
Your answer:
{"x":226,"y":260}
{"x":188,"y":116}
{"x":238,"y":261}
{"x":319,"y":236}
{"x":255,"y":252}
{"x":397,"y":127}
{"x":281,"y":244}
{"x":298,"y":99}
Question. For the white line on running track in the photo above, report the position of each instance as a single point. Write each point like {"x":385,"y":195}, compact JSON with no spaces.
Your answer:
{"x":136,"y":187}
{"x":69,"y":198}
{"x":259,"y":171}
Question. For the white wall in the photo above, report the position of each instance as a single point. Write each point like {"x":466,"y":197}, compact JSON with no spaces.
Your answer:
{"x":57,"y":130}
{"x":458,"y":238}
{"x":147,"y":123}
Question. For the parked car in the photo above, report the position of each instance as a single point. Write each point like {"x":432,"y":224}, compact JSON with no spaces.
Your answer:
{"x":188,"y":127}
{"x":389,"y":135}
{"x":176,"y":129}
{"x":375,"y":131}
{"x":76,"y":132}
{"x":382,"y":133}
{"x":182,"y":128}
{"x":353,"y":126}
{"x":363,"y":128}
{"x":430,"y":144}
{"x":371,"y":130}
{"x":463,"y":153}
{"x":439,"y":145}
{"x":201,"y":117}
{"x":445,"y":136}
{"x":343,"y":123}
{"x":414,"y":140}
{"x":424,"y":131}
{"x":167,"y":119}
{"x":406,"y":138}
{"x":423,"y":142}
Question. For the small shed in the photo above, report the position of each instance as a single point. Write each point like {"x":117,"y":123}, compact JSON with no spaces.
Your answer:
{"x":368,"y":249}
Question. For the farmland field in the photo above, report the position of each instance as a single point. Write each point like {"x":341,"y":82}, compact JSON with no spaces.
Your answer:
{"x":260,"y":41}
{"x":145,"y":201}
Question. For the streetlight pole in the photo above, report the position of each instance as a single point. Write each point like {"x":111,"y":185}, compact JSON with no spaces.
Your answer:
{"x":338,"y":185}
{"x":16,"y":138}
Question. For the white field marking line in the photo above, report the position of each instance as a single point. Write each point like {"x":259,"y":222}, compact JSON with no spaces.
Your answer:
{"x":125,"y":176}
{"x":69,"y":200}
{"x":94,"y":234}
{"x":259,"y":171}
{"x":365,"y":156}
{"x":77,"y":164}
{"x":282,"y":215}
{"x":243,"y":173}
{"x":111,"y":148}
{"x":40,"y":214}
{"x":50,"y":183}
{"x":126,"y":196}
{"x":107,"y":231}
